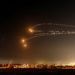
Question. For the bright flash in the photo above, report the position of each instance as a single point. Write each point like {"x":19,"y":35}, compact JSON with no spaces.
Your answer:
{"x":31,"y":30}
{"x":25,"y":45}
{"x":23,"y":40}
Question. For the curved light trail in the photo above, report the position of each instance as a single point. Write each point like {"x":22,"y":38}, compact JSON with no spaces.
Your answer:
{"x":39,"y":33}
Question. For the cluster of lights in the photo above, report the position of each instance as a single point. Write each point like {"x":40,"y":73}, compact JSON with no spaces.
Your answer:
{"x":24,"y":43}
{"x":38,"y":66}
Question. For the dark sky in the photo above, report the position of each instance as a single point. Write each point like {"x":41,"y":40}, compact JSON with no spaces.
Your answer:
{"x":16,"y":16}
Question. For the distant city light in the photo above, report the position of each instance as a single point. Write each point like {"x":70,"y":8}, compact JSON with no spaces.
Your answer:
{"x":72,"y":64}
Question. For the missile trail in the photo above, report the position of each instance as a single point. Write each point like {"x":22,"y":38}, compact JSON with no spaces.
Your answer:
{"x":53,"y":24}
{"x":36,"y":33}
{"x":52,"y":33}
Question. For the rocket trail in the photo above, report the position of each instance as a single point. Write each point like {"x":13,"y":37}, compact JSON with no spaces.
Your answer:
{"x":52,"y":24}
{"x":36,"y":33}
{"x":52,"y":33}
{"x":35,"y":27}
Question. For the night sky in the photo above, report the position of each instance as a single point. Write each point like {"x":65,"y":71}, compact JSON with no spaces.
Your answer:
{"x":16,"y":17}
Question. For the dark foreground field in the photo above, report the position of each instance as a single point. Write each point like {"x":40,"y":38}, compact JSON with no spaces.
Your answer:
{"x":37,"y":72}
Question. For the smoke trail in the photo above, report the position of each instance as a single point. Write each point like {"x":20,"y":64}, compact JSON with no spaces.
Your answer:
{"x":51,"y":33}
{"x":52,"y":24}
